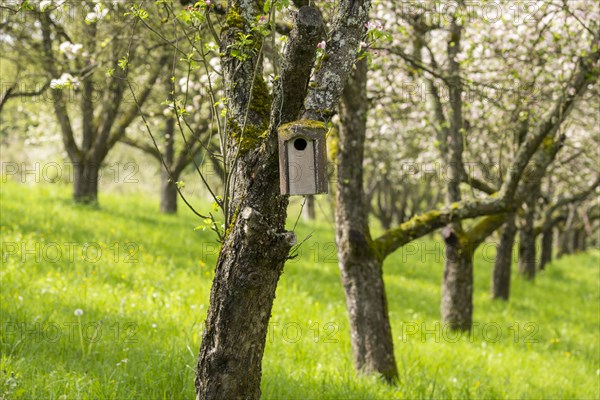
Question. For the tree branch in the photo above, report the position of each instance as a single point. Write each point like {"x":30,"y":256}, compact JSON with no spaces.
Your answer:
{"x":298,"y":62}
{"x":582,"y":77}
{"x":151,"y":150}
{"x":341,"y":49}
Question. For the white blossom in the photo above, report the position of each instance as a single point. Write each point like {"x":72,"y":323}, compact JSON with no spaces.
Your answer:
{"x":96,"y":15}
{"x":70,"y":50}
{"x":65,"y":80}
{"x":44,"y":4}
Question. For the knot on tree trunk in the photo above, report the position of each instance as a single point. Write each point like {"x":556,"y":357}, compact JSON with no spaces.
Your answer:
{"x":255,"y":224}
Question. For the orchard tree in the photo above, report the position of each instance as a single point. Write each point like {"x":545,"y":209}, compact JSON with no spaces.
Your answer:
{"x":255,"y":243}
{"x":437,"y":58}
{"x":84,"y":50}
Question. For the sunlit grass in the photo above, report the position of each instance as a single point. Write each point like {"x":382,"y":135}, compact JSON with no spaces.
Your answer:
{"x":143,"y":279}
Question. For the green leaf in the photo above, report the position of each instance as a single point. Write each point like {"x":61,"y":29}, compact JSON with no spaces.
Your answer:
{"x":123,"y":62}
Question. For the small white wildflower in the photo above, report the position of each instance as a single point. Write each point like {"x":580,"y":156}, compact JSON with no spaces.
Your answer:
{"x":78,"y":312}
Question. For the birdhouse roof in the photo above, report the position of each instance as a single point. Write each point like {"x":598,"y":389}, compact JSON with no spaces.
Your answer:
{"x":303,"y":128}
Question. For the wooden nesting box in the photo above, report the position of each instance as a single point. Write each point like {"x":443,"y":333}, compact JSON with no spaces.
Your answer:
{"x":303,"y":158}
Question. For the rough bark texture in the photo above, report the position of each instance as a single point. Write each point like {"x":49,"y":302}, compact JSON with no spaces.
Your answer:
{"x":527,"y":251}
{"x":256,"y":244}
{"x":546,"y":251}
{"x":503,"y":261}
{"x":359,"y":263}
{"x":457,"y":287}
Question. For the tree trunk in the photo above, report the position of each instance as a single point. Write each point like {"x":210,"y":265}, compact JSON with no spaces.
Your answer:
{"x":457,"y":286}
{"x":370,"y":329}
{"x":360,"y":265}
{"x":527,"y":251}
{"x":546,"y":251}
{"x":310,"y":208}
{"x":503,"y":262}
{"x":564,"y":240}
{"x":256,"y":244}
{"x":168,"y":192}
{"x":580,"y":240}
{"x":85,"y":182}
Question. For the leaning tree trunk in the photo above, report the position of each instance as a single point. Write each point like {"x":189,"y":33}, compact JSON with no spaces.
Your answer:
{"x":168,"y":190}
{"x":527,"y":251}
{"x":503,"y":262}
{"x":546,"y":250}
{"x":85,"y":181}
{"x":359,"y":263}
{"x":457,"y":286}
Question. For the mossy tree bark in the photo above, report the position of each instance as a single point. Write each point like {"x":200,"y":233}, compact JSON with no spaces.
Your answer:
{"x":359,"y":262}
{"x":256,"y":244}
{"x":503,"y":262}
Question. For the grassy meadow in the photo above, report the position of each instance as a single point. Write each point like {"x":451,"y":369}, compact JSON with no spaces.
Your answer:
{"x":109,"y":302}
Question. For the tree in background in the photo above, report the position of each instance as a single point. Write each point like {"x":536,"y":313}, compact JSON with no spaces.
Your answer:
{"x":84,"y":51}
{"x":435,"y":60}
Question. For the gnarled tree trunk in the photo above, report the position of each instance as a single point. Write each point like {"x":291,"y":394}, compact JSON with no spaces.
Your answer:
{"x":360,"y":265}
{"x":503,"y":262}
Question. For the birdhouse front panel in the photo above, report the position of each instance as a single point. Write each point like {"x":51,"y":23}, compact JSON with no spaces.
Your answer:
{"x":302,"y":158}
{"x":301,"y":162}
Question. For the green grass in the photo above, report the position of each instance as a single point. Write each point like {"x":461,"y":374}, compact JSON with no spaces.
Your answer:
{"x":149,"y":313}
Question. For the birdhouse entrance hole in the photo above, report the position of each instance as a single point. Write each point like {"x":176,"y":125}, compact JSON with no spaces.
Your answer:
{"x":300,"y":144}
